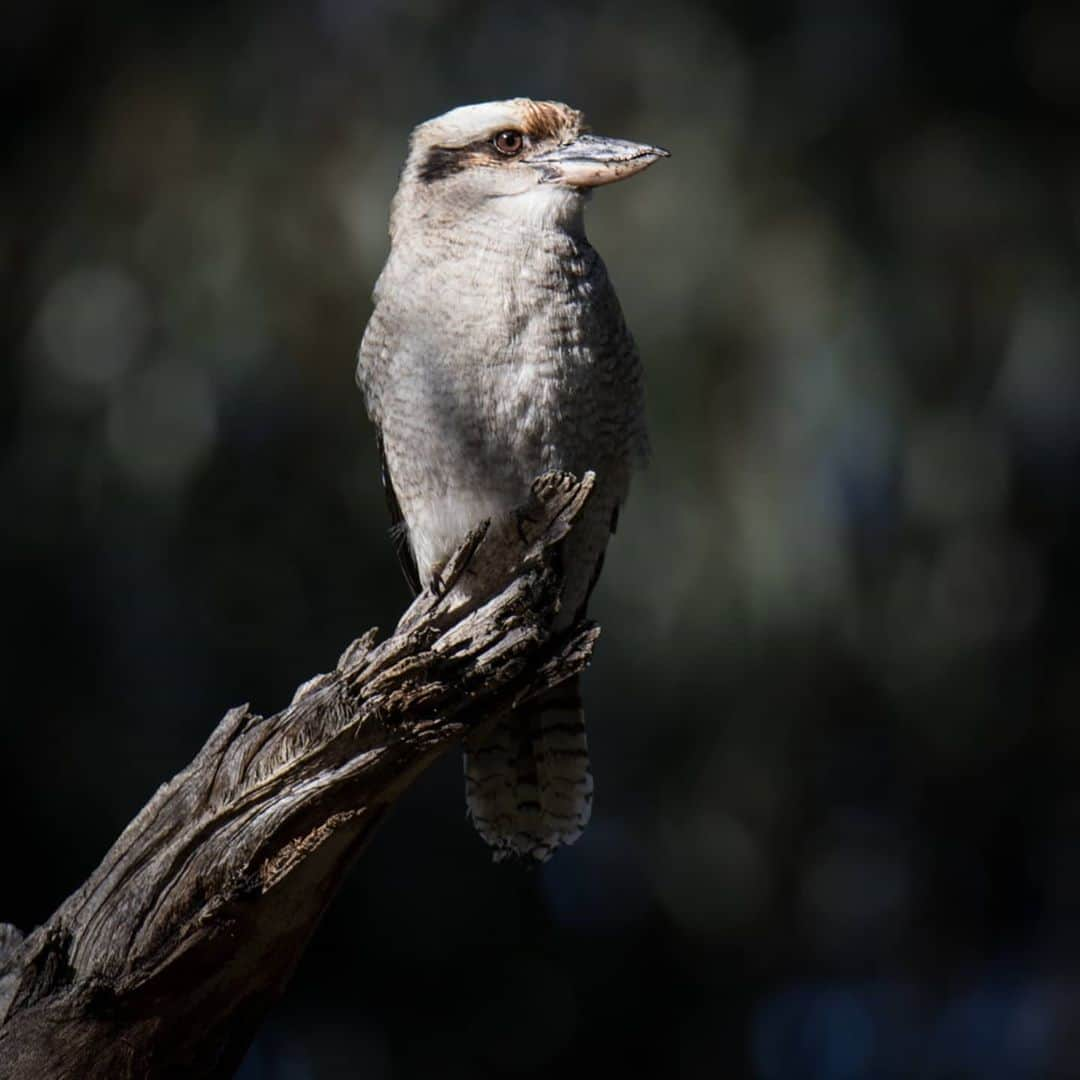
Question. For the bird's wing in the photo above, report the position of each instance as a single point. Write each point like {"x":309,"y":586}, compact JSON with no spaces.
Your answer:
{"x":371,"y":369}
{"x":399,"y":531}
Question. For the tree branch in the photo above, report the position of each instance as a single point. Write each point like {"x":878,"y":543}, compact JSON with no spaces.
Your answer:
{"x":164,"y":962}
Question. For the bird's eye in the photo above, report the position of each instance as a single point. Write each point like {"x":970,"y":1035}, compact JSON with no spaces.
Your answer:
{"x":509,"y":142}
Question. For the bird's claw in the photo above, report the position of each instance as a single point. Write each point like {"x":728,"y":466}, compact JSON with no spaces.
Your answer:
{"x":523,"y":518}
{"x":437,"y":584}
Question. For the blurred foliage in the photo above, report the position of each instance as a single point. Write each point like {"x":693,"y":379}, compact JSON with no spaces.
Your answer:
{"x":834,"y":712}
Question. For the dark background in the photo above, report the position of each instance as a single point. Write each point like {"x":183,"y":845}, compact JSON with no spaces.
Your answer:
{"x":834,"y":713}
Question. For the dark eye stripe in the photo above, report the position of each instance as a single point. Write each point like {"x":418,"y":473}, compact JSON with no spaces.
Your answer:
{"x":444,"y":161}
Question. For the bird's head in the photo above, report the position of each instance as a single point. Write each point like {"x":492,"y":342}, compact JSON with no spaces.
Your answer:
{"x":534,"y":160}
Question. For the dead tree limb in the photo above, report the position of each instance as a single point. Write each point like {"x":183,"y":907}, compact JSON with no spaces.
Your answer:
{"x":164,"y":962}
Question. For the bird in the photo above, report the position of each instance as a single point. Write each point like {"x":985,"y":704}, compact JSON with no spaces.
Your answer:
{"x":497,"y":351}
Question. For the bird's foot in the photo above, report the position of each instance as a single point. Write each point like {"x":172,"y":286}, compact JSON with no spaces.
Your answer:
{"x":522,"y":520}
{"x":438,"y":584}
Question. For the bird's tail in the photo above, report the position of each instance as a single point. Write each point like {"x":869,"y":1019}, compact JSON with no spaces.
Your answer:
{"x":528,"y":785}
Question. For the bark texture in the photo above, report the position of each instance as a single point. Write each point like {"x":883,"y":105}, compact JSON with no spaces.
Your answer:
{"x":164,"y":962}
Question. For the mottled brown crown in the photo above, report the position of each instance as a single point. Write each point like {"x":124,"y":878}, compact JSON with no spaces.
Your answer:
{"x":550,"y":120}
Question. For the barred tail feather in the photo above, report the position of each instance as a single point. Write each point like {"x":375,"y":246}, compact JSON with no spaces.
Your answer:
{"x":528,"y":785}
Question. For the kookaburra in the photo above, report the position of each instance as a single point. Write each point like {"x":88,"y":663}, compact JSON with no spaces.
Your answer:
{"x":496,"y":352}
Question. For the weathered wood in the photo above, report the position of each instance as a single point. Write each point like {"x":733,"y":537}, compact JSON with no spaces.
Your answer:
{"x":163,"y":963}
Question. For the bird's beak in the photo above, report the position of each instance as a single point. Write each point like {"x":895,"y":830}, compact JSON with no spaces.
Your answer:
{"x":592,"y":160}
